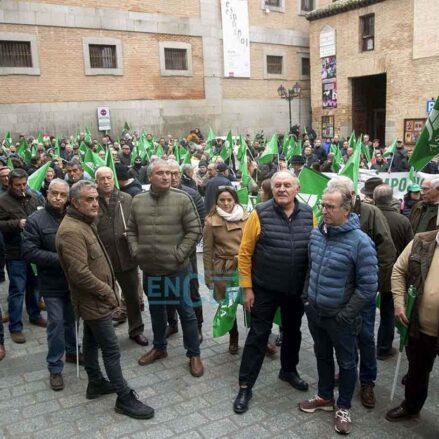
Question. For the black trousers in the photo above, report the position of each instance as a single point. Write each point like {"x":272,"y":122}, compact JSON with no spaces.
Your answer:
{"x":421,"y":353}
{"x":194,"y":287}
{"x":129,"y":284}
{"x":100,"y":334}
{"x":262,"y":314}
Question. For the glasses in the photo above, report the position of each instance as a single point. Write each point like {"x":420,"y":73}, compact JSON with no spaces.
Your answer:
{"x":329,"y":207}
{"x":221,"y":188}
{"x":425,"y":188}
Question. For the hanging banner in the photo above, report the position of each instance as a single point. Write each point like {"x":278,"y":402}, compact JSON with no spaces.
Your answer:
{"x":236,"y":38}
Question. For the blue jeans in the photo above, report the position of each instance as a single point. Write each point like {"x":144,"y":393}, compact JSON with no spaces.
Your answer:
{"x":366,"y":345}
{"x":172,"y":289}
{"x":330,"y":336}
{"x":22,"y":286}
{"x":61,"y":335}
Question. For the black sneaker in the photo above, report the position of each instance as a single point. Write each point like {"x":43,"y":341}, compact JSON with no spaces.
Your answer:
{"x":98,"y":388}
{"x":294,"y":379}
{"x":130,"y":405}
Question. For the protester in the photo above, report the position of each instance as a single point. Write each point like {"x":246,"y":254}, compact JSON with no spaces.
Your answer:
{"x":178,"y":183}
{"x":162,"y":251}
{"x":127,"y":185}
{"x":214,"y":183}
{"x":276,"y":233}
{"x":92,"y":284}
{"x":221,"y":239}
{"x":15,"y":207}
{"x":114,"y":211}
{"x":39,"y":248}
{"x":402,"y":234}
{"x":400,"y":159}
{"x":75,"y":172}
{"x":411,"y":197}
{"x":335,"y":298}
{"x":418,"y":265}
{"x":423,"y":216}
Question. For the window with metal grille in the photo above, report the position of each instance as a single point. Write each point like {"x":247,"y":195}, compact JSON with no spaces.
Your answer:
{"x":175,"y":59}
{"x":15,"y":54}
{"x":367,"y":29}
{"x":273,"y":3}
{"x":274,"y":64}
{"x":102,"y":56}
{"x":307,"y":5}
{"x":305,"y":67}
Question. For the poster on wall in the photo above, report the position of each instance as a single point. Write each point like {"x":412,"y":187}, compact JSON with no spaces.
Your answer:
{"x":236,"y":38}
{"x":327,"y":126}
{"x":329,"y":93}
{"x":412,"y":130}
{"x":329,"y":67}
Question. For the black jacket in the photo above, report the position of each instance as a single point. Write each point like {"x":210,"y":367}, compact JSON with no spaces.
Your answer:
{"x":198,"y":200}
{"x":12,"y":210}
{"x":400,"y":162}
{"x":39,"y":248}
{"x":132,"y":188}
{"x":280,"y":259}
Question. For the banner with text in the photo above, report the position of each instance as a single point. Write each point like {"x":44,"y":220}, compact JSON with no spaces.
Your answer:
{"x":236,"y":38}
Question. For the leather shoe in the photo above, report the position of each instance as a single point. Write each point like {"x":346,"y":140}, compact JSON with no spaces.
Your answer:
{"x":56,"y":382}
{"x":5,"y":317}
{"x":95,"y":389}
{"x":18,"y":337}
{"x":294,"y":379}
{"x":240,"y":404}
{"x":2,"y":352}
{"x":196,"y":367}
{"x":400,"y":414}
{"x":171,"y":330}
{"x":42,"y":323}
{"x":151,"y":356}
{"x":140,"y":339}
{"x":71,"y":358}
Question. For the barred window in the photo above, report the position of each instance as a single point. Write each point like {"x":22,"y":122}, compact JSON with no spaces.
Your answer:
{"x":274,"y":64}
{"x":305,"y":67}
{"x":15,"y":54}
{"x":273,"y":3}
{"x":175,"y":59}
{"x":307,"y":5}
{"x":367,"y":25}
{"x":102,"y":56}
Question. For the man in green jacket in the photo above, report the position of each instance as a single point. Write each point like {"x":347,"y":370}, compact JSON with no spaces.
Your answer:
{"x":163,"y":230}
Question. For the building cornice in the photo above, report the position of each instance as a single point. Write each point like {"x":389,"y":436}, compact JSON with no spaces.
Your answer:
{"x":339,"y":7}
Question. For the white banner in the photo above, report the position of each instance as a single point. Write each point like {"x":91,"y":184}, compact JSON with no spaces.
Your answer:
{"x":236,"y":38}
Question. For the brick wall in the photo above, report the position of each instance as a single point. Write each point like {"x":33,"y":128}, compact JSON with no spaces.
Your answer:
{"x":62,"y":76}
{"x":409,"y":82}
{"x":182,"y":8}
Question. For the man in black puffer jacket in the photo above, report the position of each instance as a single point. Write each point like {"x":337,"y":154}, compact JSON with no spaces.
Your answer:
{"x":273,"y":261}
{"x":39,"y":249}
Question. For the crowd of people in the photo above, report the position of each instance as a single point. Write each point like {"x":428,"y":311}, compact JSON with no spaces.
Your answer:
{"x":94,"y":238}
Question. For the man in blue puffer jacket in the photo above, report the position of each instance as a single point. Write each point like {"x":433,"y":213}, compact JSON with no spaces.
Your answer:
{"x":343,"y":279}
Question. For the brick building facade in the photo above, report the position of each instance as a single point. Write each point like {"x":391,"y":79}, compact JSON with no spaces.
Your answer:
{"x":383,"y":57}
{"x":62,"y":88}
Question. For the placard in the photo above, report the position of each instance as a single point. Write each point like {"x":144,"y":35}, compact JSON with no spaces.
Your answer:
{"x":236,"y":38}
{"x":327,"y":126}
{"x":327,"y":42}
{"x":412,"y":130}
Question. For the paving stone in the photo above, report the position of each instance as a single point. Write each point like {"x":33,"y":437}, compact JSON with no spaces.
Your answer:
{"x":153,"y":433}
{"x":216,"y":429}
{"x":31,"y":425}
{"x":186,"y":422}
{"x":65,"y":430}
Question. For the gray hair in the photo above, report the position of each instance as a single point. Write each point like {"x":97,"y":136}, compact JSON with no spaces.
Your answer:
{"x":186,"y":167}
{"x":74,"y":162}
{"x":56,"y":181}
{"x":383,"y":195}
{"x":75,"y":190}
{"x":344,"y":191}
{"x":154,"y":164}
{"x":434,"y":182}
{"x":102,"y":168}
{"x":287,"y":172}
{"x":173,"y":163}
{"x":342,"y":183}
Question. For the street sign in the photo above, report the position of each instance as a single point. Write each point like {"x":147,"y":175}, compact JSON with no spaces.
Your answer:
{"x":104,"y":121}
{"x":429,"y":105}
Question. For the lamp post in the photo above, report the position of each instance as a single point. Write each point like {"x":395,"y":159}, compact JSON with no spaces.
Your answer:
{"x":289,"y":95}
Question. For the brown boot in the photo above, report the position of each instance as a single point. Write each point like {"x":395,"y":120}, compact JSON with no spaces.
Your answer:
{"x":367,"y":396}
{"x":5,"y":317}
{"x":151,"y":356}
{"x":42,"y":323}
{"x":233,"y":345}
{"x":18,"y":337}
{"x":196,"y":367}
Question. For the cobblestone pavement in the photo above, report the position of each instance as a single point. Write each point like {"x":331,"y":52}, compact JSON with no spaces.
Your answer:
{"x":186,"y":407}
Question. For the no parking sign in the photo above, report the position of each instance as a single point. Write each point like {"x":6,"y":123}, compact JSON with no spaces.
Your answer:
{"x":104,"y":122}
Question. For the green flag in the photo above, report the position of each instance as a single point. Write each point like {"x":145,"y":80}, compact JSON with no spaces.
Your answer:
{"x":227,"y":149}
{"x":390,"y":150}
{"x":35,"y":181}
{"x":110,"y":163}
{"x":352,"y":142}
{"x":352,"y":166}
{"x":427,"y":145}
{"x":242,"y":150}
{"x":338,"y":158}
{"x":295,"y":147}
{"x":87,"y":136}
{"x":242,"y":196}
{"x":8,"y":139}
{"x":312,"y":182}
{"x":270,"y":151}
{"x":209,"y":143}
{"x":159,"y":150}
{"x":412,"y":176}
{"x":286,"y":145}
{"x":57,"y":148}
{"x":243,"y":167}
{"x":9,"y":164}
{"x":126,"y":127}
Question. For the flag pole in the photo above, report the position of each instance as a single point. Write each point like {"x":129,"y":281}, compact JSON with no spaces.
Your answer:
{"x":77,"y":347}
{"x":395,"y":378}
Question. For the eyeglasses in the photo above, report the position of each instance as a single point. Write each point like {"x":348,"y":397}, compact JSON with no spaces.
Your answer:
{"x":425,"y":188}
{"x":221,"y":188}
{"x":329,"y":207}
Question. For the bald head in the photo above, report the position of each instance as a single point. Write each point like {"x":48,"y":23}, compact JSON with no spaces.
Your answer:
{"x":105,"y":180}
{"x":383,"y":195}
